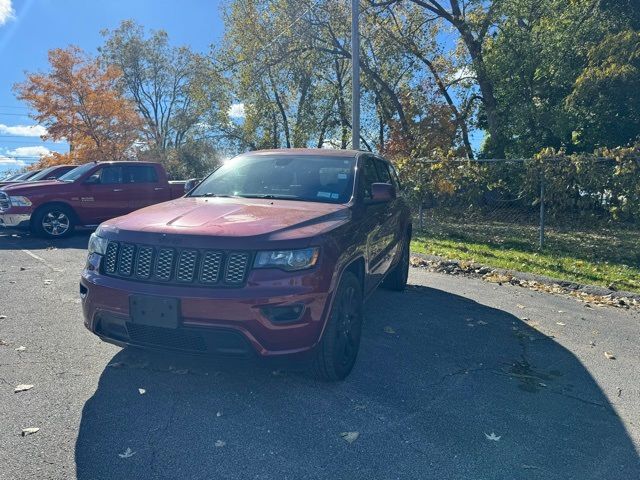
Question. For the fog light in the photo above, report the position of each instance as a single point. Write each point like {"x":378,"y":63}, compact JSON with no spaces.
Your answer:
{"x":287,"y":314}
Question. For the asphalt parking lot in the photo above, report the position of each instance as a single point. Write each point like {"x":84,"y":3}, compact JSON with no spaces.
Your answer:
{"x":456,"y":379}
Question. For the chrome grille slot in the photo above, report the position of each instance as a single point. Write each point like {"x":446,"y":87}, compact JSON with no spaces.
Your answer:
{"x":111,"y":257}
{"x":210,"y":270}
{"x":186,"y":266}
{"x":236,"y":268}
{"x":125,"y":259}
{"x":143,"y":262}
{"x":164,"y":264}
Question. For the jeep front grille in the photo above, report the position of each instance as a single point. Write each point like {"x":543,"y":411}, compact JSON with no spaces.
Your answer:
{"x":168,"y":265}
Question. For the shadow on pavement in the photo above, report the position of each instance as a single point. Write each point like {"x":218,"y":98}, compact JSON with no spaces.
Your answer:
{"x":13,"y":239}
{"x":424,"y":397}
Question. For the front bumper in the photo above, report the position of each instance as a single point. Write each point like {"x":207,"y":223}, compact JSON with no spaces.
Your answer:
{"x":217,"y":321}
{"x":15,"y":220}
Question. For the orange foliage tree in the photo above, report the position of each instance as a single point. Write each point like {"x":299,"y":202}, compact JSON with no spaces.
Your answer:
{"x":78,"y":101}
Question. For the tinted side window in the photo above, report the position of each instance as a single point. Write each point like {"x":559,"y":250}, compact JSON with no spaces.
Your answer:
{"x":369,"y":176}
{"x":383,"y":171}
{"x":141,"y":174}
{"x":109,"y":175}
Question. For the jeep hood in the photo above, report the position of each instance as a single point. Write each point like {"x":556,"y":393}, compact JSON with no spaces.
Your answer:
{"x":235,"y":217}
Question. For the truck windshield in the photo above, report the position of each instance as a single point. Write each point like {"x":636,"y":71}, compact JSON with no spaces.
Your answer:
{"x":315,"y":178}
{"x":76,"y":173}
{"x":42,"y":174}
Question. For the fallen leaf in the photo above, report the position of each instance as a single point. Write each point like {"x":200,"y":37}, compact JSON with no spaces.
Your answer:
{"x":219,"y":414}
{"x":21,"y":349}
{"x":29,"y":431}
{"x":22,"y":388}
{"x":592,"y":343}
{"x":389,"y":330}
{"x":493,"y":437}
{"x":350,"y":437}
{"x":562,"y":324}
{"x":127,"y":453}
{"x":560,"y":311}
{"x":619,"y":392}
{"x":360,"y":407}
{"x":48,"y":282}
{"x":610,"y":355}
{"x":142,"y":391}
{"x":277,"y":373}
{"x":542,"y":384}
{"x":482,"y":322}
{"x":2,"y":317}
{"x":220,"y":443}
{"x":520,"y":306}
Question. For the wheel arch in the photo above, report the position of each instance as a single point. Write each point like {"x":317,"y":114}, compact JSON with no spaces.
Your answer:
{"x":55,"y":203}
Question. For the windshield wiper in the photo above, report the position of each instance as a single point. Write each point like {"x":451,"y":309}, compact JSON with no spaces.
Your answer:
{"x":217,"y":195}
{"x":270,"y":195}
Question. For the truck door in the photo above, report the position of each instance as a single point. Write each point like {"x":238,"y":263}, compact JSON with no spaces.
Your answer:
{"x":143,"y":186}
{"x":102,"y":196}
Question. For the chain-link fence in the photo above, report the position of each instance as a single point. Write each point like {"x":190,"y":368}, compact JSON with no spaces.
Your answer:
{"x":580,"y":208}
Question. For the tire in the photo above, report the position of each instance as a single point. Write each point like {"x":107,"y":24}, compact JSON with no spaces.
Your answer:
{"x":53,"y":221}
{"x":337,"y":351}
{"x":397,"y":278}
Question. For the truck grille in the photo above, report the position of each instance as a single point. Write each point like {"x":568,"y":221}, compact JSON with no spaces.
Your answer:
{"x":4,"y":201}
{"x":169,"y":265}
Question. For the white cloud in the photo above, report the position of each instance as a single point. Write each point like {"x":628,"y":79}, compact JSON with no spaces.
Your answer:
{"x":23,"y":130}
{"x":6,"y":11}
{"x":464,"y":73}
{"x":237,"y":110}
{"x":34,"y":151}
{"x":7,"y":163}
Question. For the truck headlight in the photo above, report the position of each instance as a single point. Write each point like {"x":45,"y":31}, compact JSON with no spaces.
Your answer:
{"x":289,"y":260}
{"x":20,"y":201}
{"x":97,"y":244}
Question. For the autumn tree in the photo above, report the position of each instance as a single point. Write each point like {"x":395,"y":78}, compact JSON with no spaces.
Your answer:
{"x":77,"y":101}
{"x":162,"y":81}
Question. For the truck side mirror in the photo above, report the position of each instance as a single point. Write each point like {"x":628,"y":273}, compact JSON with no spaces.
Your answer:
{"x":382,"y":192}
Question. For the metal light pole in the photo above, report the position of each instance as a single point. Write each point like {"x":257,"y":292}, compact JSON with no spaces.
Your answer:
{"x":355,"y":68}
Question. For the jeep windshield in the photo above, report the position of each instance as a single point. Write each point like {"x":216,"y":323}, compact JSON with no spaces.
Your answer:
{"x":310,"y":178}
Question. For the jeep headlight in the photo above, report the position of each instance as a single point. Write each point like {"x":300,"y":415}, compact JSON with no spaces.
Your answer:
{"x":97,"y":244}
{"x":289,"y":260}
{"x":20,"y":201}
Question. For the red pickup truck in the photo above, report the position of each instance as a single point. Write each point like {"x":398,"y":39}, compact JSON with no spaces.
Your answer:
{"x":87,"y":195}
{"x":272,"y":254}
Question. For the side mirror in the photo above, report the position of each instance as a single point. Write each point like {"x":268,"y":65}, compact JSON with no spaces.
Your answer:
{"x":382,"y":192}
{"x":92,"y":180}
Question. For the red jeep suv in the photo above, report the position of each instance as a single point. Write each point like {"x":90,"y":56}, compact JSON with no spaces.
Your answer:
{"x":272,"y":254}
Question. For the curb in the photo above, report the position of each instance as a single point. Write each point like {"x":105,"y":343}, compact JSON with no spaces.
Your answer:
{"x":585,"y":293}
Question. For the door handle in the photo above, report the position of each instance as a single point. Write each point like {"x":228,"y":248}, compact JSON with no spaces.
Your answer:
{"x":117,"y":189}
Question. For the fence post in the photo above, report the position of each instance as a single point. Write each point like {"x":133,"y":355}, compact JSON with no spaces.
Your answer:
{"x":541,"y":241}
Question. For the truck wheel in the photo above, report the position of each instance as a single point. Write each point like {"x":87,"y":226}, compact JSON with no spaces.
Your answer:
{"x":397,"y":278}
{"x":55,"y":221}
{"x":338,"y":349}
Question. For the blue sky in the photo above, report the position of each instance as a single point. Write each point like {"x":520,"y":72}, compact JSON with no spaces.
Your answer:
{"x":30,"y":28}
